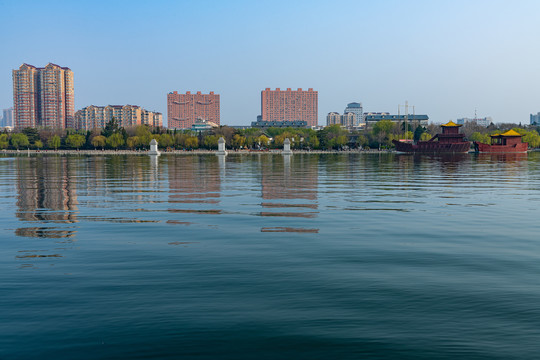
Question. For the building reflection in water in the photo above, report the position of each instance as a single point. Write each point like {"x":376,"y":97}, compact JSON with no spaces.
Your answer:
{"x":195,"y":186}
{"x":289,"y":191}
{"x":47,"y":193}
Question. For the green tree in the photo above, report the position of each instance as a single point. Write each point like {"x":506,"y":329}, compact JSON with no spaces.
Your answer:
{"x":418,"y":133}
{"x":75,"y":141}
{"x":19,"y":140}
{"x":115,"y":140}
{"x":99,"y":141}
{"x":382,"y":129}
{"x":32,"y":134}
{"x":481,"y":138}
{"x":238,"y":141}
{"x":362,"y":141}
{"x":263,"y":140}
{"x":210,"y":142}
{"x":341,"y":141}
{"x":132,"y":142}
{"x":144,"y":135}
{"x":192,"y":142}
{"x":529,"y":136}
{"x":38,"y":144}
{"x":110,"y":128}
{"x":280,"y":139}
{"x":4,"y":141}
{"x":313,"y":142}
{"x":328,"y":136}
{"x":226,"y":131}
{"x":54,"y":142}
{"x":166,"y":140}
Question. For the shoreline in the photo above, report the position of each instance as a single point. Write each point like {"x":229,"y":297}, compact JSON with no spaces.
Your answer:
{"x":200,"y":152}
{"x":184,"y":152}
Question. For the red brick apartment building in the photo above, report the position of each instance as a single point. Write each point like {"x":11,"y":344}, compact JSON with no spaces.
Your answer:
{"x":290,"y":105}
{"x":184,"y":109}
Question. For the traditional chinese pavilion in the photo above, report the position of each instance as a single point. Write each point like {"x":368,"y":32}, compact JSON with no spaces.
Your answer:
{"x":510,"y":141}
{"x":449,"y":141}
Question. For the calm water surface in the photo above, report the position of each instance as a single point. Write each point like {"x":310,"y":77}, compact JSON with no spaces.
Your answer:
{"x":359,"y":256}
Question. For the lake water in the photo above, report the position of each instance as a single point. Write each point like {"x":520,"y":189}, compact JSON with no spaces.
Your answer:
{"x":350,"y":256}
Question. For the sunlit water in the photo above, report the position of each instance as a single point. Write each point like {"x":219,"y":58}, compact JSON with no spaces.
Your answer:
{"x":374,"y":256}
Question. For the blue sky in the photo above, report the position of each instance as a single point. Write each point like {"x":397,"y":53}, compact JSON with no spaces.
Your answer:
{"x":447,"y":58}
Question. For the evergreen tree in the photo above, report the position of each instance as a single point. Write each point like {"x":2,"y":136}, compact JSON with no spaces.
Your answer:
{"x":111,"y":128}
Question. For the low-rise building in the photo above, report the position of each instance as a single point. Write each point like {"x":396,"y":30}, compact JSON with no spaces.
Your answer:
{"x":412,"y":119}
{"x":203,"y":125}
{"x":279,"y":124}
{"x":479,"y":121}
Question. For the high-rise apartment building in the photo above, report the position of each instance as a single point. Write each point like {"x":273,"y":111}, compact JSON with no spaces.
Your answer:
{"x":43,"y":97}
{"x":97,"y":117}
{"x":184,"y":109}
{"x":357,"y":109}
{"x":290,"y":105}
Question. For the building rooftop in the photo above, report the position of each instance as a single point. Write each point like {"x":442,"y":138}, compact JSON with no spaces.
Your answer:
{"x":508,"y":133}
{"x":450,"y":124}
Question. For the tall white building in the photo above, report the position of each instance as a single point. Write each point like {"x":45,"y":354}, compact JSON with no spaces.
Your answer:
{"x":357,"y":109}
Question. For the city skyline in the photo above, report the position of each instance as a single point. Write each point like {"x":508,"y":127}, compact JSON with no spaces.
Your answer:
{"x":447,"y":59}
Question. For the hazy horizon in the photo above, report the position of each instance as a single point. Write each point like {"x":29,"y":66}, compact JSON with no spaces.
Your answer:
{"x":445,"y":58}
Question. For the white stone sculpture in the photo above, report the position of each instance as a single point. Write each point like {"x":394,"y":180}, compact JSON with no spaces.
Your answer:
{"x":153,"y":148}
{"x":287,"y":147}
{"x":221,"y":147}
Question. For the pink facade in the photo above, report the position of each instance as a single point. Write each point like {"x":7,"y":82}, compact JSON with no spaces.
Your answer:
{"x":290,"y":105}
{"x":184,"y":109}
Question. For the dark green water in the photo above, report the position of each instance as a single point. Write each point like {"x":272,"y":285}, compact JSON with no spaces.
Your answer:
{"x":265,"y":257}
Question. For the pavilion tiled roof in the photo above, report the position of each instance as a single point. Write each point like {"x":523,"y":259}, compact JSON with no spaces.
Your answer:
{"x":451,"y":124}
{"x":508,"y":133}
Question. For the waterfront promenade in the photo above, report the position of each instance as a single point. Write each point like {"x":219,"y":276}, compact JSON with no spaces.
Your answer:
{"x":185,"y":152}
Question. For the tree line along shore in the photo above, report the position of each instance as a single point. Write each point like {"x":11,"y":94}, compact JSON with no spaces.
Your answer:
{"x":331,"y":138}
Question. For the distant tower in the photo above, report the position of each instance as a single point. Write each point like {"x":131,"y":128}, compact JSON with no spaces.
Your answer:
{"x":358,"y":110}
